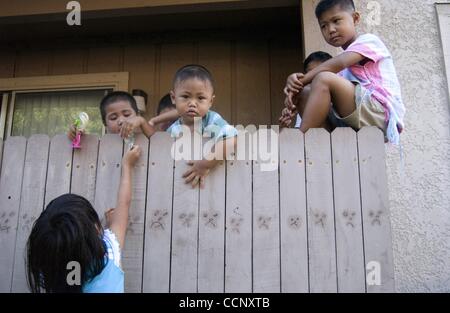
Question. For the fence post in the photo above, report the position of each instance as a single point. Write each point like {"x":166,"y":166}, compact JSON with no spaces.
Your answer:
{"x":10,"y":191}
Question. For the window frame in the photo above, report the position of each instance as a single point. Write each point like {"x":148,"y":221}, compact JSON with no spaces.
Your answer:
{"x":115,"y":81}
{"x":5,"y":97}
{"x":443,"y":16}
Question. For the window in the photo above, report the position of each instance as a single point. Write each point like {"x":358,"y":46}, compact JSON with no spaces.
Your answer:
{"x":49,"y":104}
{"x":51,"y":112}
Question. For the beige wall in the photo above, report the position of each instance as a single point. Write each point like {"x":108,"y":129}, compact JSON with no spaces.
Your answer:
{"x":419,"y":191}
{"x":313,"y":40}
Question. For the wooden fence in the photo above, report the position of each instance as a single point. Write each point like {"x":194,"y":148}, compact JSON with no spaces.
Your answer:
{"x":320,"y":223}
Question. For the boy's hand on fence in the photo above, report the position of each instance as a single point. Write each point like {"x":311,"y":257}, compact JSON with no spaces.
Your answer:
{"x":294,"y":84}
{"x":197,"y":173}
{"x":131,"y":156}
{"x":72,"y":132}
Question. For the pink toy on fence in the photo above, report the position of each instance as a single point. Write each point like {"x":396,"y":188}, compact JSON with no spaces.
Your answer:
{"x":80,"y":125}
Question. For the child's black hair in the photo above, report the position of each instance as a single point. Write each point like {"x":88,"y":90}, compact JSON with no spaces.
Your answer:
{"x":318,"y":56}
{"x":68,"y":230}
{"x":116,"y":96}
{"x":325,"y":5}
{"x":164,"y":103}
{"x":193,"y":71}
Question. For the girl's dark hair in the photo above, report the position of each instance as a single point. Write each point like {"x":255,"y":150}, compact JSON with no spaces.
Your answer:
{"x":325,"y":5}
{"x":164,"y":103}
{"x":68,"y":230}
{"x":116,"y":96}
{"x":318,"y":56}
{"x":193,"y":71}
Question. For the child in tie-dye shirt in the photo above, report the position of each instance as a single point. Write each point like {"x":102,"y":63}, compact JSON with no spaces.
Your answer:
{"x":358,"y":87}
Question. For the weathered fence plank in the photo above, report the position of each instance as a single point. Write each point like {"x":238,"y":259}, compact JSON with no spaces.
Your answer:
{"x":266,"y":222}
{"x":212,"y":232}
{"x":84,"y":170}
{"x":347,"y":206}
{"x":375,"y":210}
{"x":158,"y":223}
{"x":31,"y":203}
{"x":108,"y":174}
{"x":185,"y":230}
{"x":59,"y":168}
{"x":10,"y":189}
{"x":133,"y":252}
{"x":294,"y":237}
{"x":238,"y":242}
{"x":321,"y":236}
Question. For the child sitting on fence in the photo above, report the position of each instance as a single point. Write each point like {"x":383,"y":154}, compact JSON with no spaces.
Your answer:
{"x":193,"y":96}
{"x":366,"y":90}
{"x":310,"y":63}
{"x":68,"y":237}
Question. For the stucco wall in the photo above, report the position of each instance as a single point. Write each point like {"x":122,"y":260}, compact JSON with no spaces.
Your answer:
{"x":419,"y":193}
{"x":419,"y":190}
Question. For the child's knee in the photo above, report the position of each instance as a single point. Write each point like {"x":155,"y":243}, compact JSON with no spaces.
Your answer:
{"x":306,"y":90}
{"x":324,"y":78}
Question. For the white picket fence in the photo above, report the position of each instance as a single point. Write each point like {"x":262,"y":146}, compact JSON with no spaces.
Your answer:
{"x":320,"y":223}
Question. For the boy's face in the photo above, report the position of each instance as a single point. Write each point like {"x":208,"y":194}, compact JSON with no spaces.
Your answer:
{"x":338,"y":26}
{"x":193,"y":98}
{"x":116,"y":114}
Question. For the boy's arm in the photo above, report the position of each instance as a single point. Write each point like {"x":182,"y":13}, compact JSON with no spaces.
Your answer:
{"x":334,"y":65}
{"x":148,"y":128}
{"x":200,"y":169}
{"x":136,"y":122}
{"x":164,"y":117}
{"x":119,"y":219}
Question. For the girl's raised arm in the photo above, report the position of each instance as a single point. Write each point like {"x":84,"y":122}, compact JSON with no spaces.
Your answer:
{"x":119,"y":219}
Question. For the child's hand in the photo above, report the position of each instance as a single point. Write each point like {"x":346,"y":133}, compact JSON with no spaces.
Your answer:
{"x":285,"y":120}
{"x":130,"y":158}
{"x":72,"y":132}
{"x":287,"y":117}
{"x":294,"y":84}
{"x":197,"y":173}
{"x":129,"y":125}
